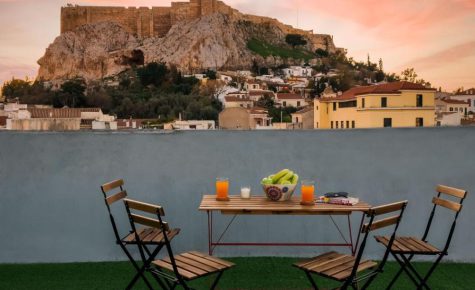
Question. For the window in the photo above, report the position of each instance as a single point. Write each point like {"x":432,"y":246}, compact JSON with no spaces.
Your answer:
{"x":353,"y":124}
{"x":419,"y":101}
{"x":334,"y":106}
{"x":342,"y":124}
{"x":298,"y":103}
{"x":362,"y":102}
{"x":336,"y":124}
{"x":474,"y":103}
{"x":451,"y":109}
{"x":419,"y":122}
{"x":388,"y":122}
{"x":317,"y":125}
{"x":384,"y":102}
{"x":350,"y":104}
{"x":465,"y":111}
{"x":317,"y":108}
{"x":331,"y":124}
{"x":284,"y":103}
{"x":347,"y":124}
{"x":296,"y":119}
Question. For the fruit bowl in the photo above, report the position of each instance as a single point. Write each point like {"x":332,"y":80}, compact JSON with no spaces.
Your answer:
{"x":279,"y":192}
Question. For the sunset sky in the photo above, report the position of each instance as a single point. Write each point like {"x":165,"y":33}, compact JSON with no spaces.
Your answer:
{"x":436,"y":37}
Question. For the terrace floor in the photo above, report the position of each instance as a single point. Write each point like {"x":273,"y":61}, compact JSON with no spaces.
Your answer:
{"x":250,"y":273}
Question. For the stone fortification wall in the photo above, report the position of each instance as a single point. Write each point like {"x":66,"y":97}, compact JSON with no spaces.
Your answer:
{"x":157,"y":21}
{"x":143,"y":21}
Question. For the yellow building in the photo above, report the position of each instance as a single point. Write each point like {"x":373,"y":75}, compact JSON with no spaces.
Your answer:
{"x":397,"y":104}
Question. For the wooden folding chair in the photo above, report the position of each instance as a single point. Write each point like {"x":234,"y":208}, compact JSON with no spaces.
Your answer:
{"x":404,"y":249}
{"x":347,"y":269}
{"x":152,"y":237}
{"x":175,"y":269}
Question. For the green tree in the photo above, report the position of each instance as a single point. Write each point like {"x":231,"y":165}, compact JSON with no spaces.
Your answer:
{"x":211,"y":74}
{"x":321,"y":53}
{"x":295,"y":40}
{"x":16,"y":88}
{"x":72,"y":94}
{"x":266,"y":102}
{"x":409,"y":74}
{"x":153,"y":74}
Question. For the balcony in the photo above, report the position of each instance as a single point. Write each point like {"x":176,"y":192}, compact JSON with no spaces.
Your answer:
{"x":52,"y":211}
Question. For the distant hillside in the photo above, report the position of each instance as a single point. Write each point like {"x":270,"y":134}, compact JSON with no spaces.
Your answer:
{"x":214,"y":41}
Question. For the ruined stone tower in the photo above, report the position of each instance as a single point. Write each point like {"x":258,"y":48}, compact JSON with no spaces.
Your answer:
{"x":142,"y":21}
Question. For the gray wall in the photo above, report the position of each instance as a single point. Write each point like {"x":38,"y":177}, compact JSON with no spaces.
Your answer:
{"x":51,"y":209}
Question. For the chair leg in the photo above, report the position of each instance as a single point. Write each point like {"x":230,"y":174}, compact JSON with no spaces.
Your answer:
{"x":137,"y":268}
{"x":160,"y":282}
{"x":421,"y":283}
{"x":431,"y":270}
{"x":215,"y":283}
{"x":404,"y":267}
{"x":141,"y":270}
{"x":309,"y":276}
{"x":391,"y":284}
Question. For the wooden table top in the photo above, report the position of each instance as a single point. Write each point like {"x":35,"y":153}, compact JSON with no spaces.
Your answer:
{"x":262,"y":206}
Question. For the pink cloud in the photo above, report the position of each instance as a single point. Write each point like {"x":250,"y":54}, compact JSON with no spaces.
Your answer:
{"x":456,"y":53}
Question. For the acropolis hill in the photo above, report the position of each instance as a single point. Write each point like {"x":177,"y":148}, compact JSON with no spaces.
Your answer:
{"x":147,"y":22}
{"x":143,"y":21}
{"x":99,"y":42}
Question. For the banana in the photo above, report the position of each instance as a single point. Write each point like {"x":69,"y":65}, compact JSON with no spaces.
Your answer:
{"x":279,"y":175}
{"x":294,"y":179}
{"x":266,"y":181}
{"x":286,"y":177}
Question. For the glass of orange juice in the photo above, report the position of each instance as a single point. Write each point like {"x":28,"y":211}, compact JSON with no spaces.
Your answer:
{"x":222,"y":188}
{"x":308,"y":192}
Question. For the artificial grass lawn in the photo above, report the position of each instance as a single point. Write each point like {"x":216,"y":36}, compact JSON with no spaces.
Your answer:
{"x":249,"y":273}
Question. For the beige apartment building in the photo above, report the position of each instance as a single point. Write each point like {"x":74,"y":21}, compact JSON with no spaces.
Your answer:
{"x":397,"y":104}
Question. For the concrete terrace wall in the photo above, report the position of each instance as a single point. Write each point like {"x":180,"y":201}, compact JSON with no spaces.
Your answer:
{"x":51,"y":209}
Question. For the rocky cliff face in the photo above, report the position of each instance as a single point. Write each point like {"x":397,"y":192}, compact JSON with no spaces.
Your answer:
{"x":216,"y":41}
{"x":91,"y":52}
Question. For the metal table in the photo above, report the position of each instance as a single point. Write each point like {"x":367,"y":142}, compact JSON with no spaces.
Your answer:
{"x":260,"y":205}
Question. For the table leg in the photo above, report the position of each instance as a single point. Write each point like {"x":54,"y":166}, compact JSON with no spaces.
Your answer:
{"x":351,"y":235}
{"x":355,"y":247}
{"x":210,"y":232}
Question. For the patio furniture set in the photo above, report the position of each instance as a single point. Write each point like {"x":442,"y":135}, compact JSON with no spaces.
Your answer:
{"x":150,"y":234}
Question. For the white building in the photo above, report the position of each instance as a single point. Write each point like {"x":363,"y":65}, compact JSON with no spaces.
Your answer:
{"x":191,"y":125}
{"x":290,"y":100}
{"x":238,"y":99}
{"x":297,"y":71}
{"x":448,"y":119}
{"x":467,"y":96}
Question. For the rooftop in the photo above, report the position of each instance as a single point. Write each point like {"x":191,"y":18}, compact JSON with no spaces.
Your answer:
{"x":236,"y":99}
{"x":455,"y":102}
{"x":289,"y":96}
{"x":388,"y":88}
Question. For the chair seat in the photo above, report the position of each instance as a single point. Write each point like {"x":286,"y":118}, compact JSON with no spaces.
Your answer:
{"x":192,"y":265}
{"x":334,"y":265}
{"x":409,"y":245}
{"x":150,"y":236}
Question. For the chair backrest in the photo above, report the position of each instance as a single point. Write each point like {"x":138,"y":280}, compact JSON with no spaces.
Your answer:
{"x":397,"y":210}
{"x":157,"y":211}
{"x":138,"y":212}
{"x":113,"y":191}
{"x":440,"y":200}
